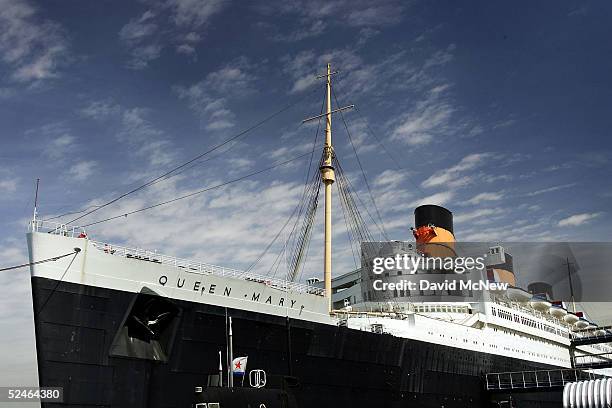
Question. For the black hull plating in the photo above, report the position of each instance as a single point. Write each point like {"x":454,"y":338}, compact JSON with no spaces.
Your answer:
{"x":77,"y":331}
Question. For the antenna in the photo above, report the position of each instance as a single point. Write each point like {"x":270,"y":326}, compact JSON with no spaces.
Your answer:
{"x":36,"y":200}
{"x":569,"y":274}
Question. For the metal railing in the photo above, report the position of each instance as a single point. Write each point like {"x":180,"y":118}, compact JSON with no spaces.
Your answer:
{"x":56,"y":228}
{"x":592,"y":336}
{"x":560,"y":328}
{"x":601,"y":360}
{"x":521,"y":380}
{"x":203,"y":268}
{"x":185,"y":264}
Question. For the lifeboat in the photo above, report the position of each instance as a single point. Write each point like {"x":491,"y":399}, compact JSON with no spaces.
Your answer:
{"x":570,"y":318}
{"x":557,"y":310}
{"x":600,"y":332}
{"x":582,"y":323}
{"x":539,"y":302}
{"x":518,"y":294}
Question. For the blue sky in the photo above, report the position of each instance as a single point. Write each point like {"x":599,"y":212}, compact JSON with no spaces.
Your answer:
{"x":498,"y":111}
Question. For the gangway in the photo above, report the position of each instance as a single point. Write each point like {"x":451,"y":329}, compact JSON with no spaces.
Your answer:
{"x":539,"y":379}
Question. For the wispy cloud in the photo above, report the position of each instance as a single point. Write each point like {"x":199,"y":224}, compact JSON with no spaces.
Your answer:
{"x":82,"y":170}
{"x":8,"y":185}
{"x":430,"y":117}
{"x":440,"y":57}
{"x":476,"y":214}
{"x":359,"y":76}
{"x":314,"y":17}
{"x":135,"y":128}
{"x":440,"y":198}
{"x":209,"y":97}
{"x":174,"y":23}
{"x":484,"y":197}
{"x":56,"y":139}
{"x":60,"y":146}
{"x":101,"y":109}
{"x":33,"y":47}
{"x":454,"y":176}
{"x":550,"y":189}
{"x":577,"y":219}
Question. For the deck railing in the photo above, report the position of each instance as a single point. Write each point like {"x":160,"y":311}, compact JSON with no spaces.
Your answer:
{"x":56,"y":228}
{"x":518,"y":380}
{"x":185,"y":264}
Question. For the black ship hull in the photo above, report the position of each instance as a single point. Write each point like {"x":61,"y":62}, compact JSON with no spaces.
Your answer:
{"x":93,"y":342}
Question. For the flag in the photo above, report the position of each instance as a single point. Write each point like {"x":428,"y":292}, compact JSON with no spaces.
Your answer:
{"x":239,"y":365}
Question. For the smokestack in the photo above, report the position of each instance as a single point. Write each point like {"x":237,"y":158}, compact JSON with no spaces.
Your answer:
{"x":433,"y":231}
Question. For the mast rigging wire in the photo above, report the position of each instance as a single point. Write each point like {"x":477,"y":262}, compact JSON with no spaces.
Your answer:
{"x":53,"y":259}
{"x":305,"y":231}
{"x":380,"y":143}
{"x":197,"y":192}
{"x":365,"y":179}
{"x":214,"y":148}
{"x":299,"y":206}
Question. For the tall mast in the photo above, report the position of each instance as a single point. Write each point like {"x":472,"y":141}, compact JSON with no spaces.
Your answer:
{"x":328,"y":177}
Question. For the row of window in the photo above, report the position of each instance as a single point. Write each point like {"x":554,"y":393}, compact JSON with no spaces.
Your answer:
{"x":441,"y":309}
{"x":525,"y":321}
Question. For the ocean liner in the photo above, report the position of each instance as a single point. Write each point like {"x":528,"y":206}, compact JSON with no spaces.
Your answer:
{"x":125,"y":327}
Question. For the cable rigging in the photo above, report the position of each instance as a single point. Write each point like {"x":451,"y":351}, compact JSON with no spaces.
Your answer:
{"x":187,"y":163}
{"x":299,"y":207}
{"x":53,"y":259}
{"x":365,"y":179}
{"x":197,"y":192}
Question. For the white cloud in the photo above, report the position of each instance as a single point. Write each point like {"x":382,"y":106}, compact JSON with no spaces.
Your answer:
{"x":550,"y":189}
{"x":286,"y":152}
{"x":138,"y":28}
{"x":171,"y":23}
{"x":577,"y":219}
{"x":208,"y":97}
{"x":60,"y":146}
{"x":11,"y":253}
{"x":440,"y":198}
{"x":8,"y":185}
{"x":136,"y":127}
{"x":81,"y":171}
{"x":305,"y":30}
{"x":440,"y":57}
{"x":452,"y":176}
{"x":476,"y":214}
{"x":101,"y":109}
{"x":376,"y":14}
{"x":390,"y":178}
{"x":358,"y":75}
{"x":429,"y":118}
{"x":314,"y":17}
{"x":55,"y":139}
{"x":484,"y":197}
{"x":34,"y":48}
